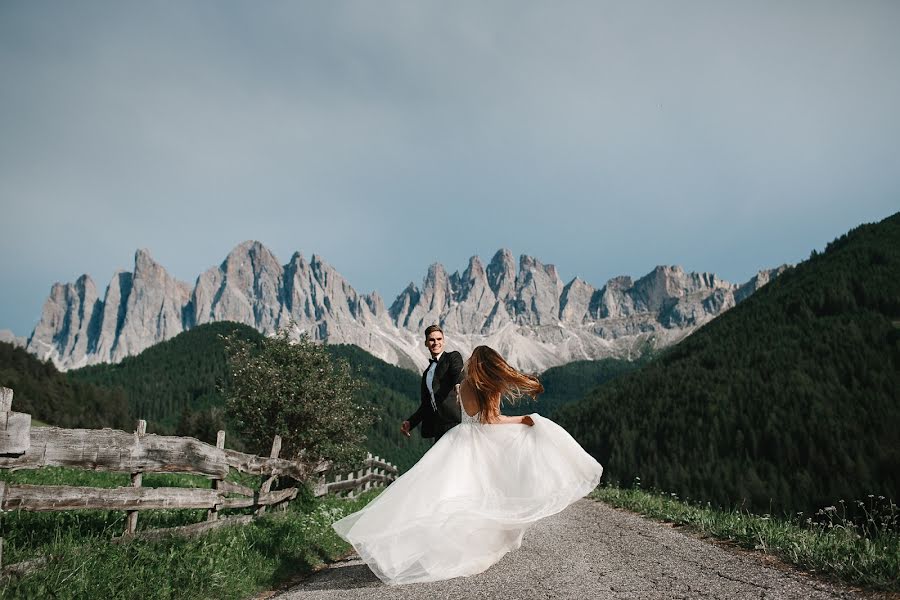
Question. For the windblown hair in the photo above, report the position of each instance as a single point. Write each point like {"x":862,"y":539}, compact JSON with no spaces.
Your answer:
{"x":493,"y":379}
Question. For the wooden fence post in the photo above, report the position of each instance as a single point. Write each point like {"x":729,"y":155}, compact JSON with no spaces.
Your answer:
{"x":15,"y":428}
{"x":267,"y":484}
{"x":213,"y":513}
{"x":376,"y":473}
{"x":136,"y":481}
{"x":6,"y":397}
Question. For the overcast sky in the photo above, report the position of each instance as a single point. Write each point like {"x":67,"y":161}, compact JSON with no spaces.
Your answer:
{"x":605,"y":138}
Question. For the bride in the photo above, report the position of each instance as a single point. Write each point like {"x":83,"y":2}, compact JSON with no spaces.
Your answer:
{"x":471,"y":497}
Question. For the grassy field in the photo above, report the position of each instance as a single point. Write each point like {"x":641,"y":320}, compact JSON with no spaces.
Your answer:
{"x":233,"y":562}
{"x":857,"y":543}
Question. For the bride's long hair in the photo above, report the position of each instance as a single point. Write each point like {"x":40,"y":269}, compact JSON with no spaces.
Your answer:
{"x":492,"y":379}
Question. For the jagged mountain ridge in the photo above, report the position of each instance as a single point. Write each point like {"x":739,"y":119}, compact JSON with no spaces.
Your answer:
{"x":10,"y":338}
{"x":528,"y":314}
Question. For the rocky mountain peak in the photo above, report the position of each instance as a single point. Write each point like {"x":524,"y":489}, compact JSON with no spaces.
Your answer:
{"x":527,"y":313}
{"x":144,"y":263}
{"x":436,"y":275}
{"x":575,"y":301}
{"x":501,"y":274}
{"x":9,"y":337}
{"x":248,"y":259}
{"x":475,"y":270}
{"x":538,"y":290}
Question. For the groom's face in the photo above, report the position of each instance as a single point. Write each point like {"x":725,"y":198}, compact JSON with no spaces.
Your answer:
{"x":435,"y":342}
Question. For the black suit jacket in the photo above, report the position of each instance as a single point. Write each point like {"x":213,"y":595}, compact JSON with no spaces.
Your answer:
{"x":446,"y":375}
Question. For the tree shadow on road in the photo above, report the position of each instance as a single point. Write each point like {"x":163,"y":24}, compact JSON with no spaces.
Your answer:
{"x":343,"y":576}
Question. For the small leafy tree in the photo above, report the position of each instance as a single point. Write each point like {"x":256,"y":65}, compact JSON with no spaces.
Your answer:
{"x":293,"y":388}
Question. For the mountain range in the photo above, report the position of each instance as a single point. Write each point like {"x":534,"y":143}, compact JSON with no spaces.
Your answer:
{"x":526,"y":313}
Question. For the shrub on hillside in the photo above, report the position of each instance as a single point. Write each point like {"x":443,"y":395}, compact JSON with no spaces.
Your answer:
{"x":295,"y":389}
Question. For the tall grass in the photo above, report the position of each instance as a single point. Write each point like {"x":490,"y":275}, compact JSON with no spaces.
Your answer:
{"x":232,"y":562}
{"x":29,"y":535}
{"x":858,"y":544}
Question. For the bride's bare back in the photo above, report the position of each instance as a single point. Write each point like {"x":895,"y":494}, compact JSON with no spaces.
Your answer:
{"x":469,"y":404}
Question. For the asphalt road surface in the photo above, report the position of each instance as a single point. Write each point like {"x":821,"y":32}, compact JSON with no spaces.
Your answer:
{"x":591,"y":550}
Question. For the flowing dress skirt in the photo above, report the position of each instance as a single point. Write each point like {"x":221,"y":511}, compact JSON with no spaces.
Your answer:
{"x":469,"y":500}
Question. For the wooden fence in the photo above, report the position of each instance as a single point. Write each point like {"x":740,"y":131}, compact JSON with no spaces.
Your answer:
{"x":374,"y":472}
{"x":24,"y":447}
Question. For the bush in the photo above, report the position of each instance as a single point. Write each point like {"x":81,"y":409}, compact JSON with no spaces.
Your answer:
{"x":294,"y":389}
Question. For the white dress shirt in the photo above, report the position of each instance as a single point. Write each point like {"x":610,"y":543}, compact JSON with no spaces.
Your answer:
{"x":429,"y":380}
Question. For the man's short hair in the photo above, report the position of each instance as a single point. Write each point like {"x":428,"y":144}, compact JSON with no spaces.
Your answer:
{"x":431,"y":329}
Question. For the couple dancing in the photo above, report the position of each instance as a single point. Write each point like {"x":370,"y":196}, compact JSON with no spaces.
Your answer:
{"x":470,"y":498}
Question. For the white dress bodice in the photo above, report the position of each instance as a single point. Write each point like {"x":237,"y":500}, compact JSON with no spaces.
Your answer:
{"x":464,"y":417}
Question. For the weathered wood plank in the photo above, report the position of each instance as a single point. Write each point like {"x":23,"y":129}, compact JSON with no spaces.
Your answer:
{"x":212,"y":514}
{"x":260,"y":465}
{"x":6,"y":398}
{"x":350,"y":484}
{"x":236,"y":503}
{"x":185,"y":530}
{"x":267,"y":484}
{"x":277,"y":496}
{"x":137,"y":480}
{"x":380,"y":464}
{"x":61,"y":497}
{"x":26,"y":566}
{"x":262,"y":500}
{"x":15,"y":432}
{"x":114,"y":450}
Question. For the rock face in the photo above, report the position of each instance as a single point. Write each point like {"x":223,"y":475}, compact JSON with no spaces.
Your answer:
{"x":527,"y":314}
{"x":8,"y":337}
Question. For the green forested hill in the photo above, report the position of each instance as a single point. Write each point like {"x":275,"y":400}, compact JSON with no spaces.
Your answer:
{"x":47,"y":395}
{"x":791,"y":400}
{"x":178,"y":387}
{"x":175,"y":385}
{"x":572,"y":381}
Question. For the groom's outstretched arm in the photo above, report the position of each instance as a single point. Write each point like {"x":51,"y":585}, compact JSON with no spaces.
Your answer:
{"x":416,"y":418}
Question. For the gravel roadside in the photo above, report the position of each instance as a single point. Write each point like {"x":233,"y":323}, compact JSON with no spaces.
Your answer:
{"x":592,"y":550}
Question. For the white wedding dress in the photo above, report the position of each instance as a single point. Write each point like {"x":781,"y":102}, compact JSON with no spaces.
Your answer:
{"x":469,"y":500}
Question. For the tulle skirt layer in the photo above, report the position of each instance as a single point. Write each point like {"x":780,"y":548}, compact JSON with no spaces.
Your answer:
{"x":469,"y":500}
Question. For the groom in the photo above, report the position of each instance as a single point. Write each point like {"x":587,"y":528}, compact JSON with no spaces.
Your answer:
{"x":438,"y":412}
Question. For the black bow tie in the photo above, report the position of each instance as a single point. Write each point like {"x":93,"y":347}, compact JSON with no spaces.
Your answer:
{"x":432,"y":360}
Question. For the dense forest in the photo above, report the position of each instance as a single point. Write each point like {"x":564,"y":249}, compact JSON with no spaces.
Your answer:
{"x":49,"y":396}
{"x":176,"y":385}
{"x":572,"y":381}
{"x":789,"y":401}
{"x":179,"y":387}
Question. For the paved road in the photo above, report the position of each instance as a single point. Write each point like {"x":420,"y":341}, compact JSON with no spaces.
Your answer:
{"x":592,"y":550}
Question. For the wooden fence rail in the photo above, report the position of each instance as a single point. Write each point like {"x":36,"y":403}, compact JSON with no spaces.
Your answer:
{"x":119,"y":451}
{"x":24,"y":447}
{"x":63,"y":497}
{"x":375,"y":471}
